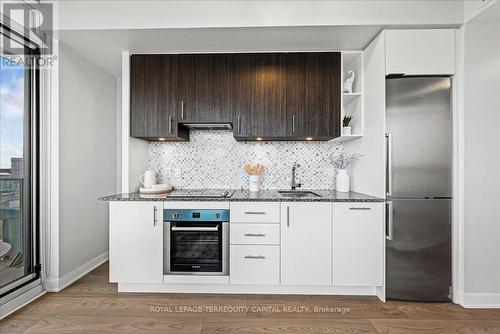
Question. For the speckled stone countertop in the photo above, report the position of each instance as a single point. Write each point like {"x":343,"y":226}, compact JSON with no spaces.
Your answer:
{"x":247,"y":196}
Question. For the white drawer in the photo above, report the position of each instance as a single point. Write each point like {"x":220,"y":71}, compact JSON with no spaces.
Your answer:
{"x":254,"y":234}
{"x":255,"y":212}
{"x":254,"y":265}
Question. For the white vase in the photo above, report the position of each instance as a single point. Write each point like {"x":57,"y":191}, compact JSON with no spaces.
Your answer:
{"x":346,"y":131}
{"x":342,"y":181}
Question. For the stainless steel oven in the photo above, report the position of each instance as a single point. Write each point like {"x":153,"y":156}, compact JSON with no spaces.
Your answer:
{"x":196,"y":242}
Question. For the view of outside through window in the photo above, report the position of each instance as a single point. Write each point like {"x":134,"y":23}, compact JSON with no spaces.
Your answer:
{"x":12,"y":120}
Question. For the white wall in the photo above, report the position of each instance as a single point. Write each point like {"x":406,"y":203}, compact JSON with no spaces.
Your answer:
{"x":367,"y":175}
{"x":76,"y":15}
{"x":88,"y":158}
{"x":482,"y":159}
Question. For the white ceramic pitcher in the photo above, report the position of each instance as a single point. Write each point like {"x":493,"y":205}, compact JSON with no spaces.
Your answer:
{"x":148,"y":179}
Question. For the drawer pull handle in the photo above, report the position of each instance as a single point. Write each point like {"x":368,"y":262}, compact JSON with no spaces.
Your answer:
{"x":255,"y":235}
{"x":360,"y":208}
{"x":255,"y":213}
{"x":259,"y":257}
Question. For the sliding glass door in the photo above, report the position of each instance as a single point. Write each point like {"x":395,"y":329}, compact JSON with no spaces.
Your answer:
{"x":18,"y":170}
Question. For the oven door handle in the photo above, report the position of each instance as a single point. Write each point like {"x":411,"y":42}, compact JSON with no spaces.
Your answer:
{"x":196,"y":229}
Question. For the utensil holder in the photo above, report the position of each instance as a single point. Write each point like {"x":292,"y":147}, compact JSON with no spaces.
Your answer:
{"x":254,"y":183}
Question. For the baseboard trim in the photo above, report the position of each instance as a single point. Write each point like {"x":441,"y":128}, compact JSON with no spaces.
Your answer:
{"x":56,"y":285}
{"x":246,"y":289}
{"x":480,"y":300}
{"x":15,"y":304}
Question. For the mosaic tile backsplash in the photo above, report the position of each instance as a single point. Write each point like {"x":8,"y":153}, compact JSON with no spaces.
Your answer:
{"x":214,"y":159}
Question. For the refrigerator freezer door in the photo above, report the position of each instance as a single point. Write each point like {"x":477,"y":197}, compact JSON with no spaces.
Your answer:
{"x":419,"y":254}
{"x":418,"y":117}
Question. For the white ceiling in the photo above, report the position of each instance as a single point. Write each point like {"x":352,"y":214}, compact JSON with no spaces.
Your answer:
{"x":104,"y":47}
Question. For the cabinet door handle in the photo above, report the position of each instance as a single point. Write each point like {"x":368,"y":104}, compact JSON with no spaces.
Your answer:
{"x":195,"y":229}
{"x":254,"y":235}
{"x":255,"y":213}
{"x":169,"y":124}
{"x":154,"y":215}
{"x":239,"y":124}
{"x":360,"y":208}
{"x":287,"y":216}
{"x":293,"y":123}
{"x":258,"y":257}
{"x":182,"y":109}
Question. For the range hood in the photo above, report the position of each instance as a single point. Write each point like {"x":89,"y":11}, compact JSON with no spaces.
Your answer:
{"x":208,"y":126}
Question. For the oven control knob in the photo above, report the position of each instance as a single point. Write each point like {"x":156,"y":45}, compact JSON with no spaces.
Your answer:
{"x":217,"y":215}
{"x":176,"y":215}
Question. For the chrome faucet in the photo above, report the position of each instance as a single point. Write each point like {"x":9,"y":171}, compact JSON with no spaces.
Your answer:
{"x":294,"y":184}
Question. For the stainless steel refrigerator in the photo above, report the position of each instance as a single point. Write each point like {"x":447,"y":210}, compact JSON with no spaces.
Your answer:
{"x":419,"y":161}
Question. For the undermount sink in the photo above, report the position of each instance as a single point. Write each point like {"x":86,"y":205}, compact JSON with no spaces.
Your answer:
{"x":300,"y":194}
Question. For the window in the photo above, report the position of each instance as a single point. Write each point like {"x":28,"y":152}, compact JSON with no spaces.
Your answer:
{"x":18,"y":170}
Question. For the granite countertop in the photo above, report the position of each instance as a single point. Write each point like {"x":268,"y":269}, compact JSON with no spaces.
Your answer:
{"x":247,"y":196}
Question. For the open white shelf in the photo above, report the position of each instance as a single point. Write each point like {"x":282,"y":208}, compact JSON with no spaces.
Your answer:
{"x":352,"y":103}
{"x":346,"y":138}
{"x":349,"y":97}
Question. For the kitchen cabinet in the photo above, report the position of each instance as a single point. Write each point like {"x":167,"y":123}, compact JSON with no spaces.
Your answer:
{"x":255,"y":243}
{"x":255,"y":212}
{"x":259,"y":96}
{"x":154,"y":91}
{"x":136,"y":242}
{"x":287,"y":96}
{"x":306,"y":243}
{"x":255,"y":234}
{"x":358,"y":244}
{"x":271,"y":96}
{"x":420,"y":52}
{"x":313,"y":101}
{"x":206,"y":86}
{"x":255,"y":264}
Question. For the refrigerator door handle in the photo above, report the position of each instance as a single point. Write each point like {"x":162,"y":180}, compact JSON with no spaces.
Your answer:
{"x":389,"y":221}
{"x":389,"y":140}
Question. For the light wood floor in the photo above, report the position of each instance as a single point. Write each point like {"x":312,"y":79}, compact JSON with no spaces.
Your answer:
{"x":92,"y":305}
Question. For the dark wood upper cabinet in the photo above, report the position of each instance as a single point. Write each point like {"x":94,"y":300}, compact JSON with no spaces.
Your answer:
{"x":206,"y":85}
{"x":154,"y":91}
{"x":313,"y":100}
{"x":273,"y":96}
{"x":258,"y":100}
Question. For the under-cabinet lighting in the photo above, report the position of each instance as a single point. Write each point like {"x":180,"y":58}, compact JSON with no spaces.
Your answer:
{"x":161,"y":139}
{"x":259,"y":138}
{"x":309,"y":138}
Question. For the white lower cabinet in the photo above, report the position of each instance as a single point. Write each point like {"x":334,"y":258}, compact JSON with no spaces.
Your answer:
{"x":255,"y":264}
{"x":255,"y":212}
{"x":255,"y":234}
{"x":306,"y":243}
{"x":358,"y":244}
{"x":136,"y":242}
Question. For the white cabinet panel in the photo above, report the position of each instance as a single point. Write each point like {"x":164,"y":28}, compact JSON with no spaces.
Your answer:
{"x":358,"y":244}
{"x":255,"y":212}
{"x":136,"y":242}
{"x":255,"y":234}
{"x":252,"y":264}
{"x":420,"y":51}
{"x":306,"y":243}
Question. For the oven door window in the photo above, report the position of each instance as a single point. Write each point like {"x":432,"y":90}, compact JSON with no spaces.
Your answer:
{"x":196,"y":247}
